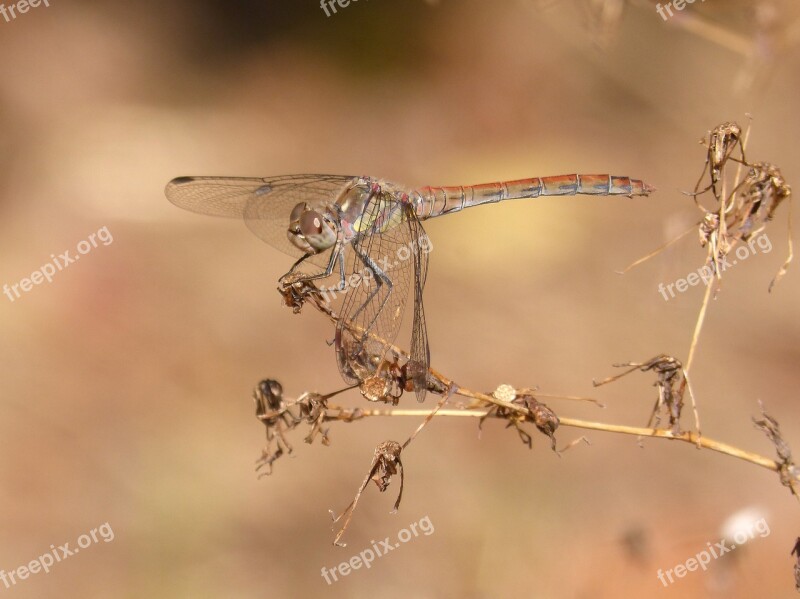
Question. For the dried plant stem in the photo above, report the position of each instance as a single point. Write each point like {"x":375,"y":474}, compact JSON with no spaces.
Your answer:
{"x":415,"y":413}
{"x":715,"y":34}
{"x":688,"y":437}
{"x":699,"y":325}
{"x":657,"y":251}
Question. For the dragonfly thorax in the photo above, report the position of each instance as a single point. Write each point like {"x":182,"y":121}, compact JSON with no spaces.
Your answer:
{"x":368,"y":206}
{"x":311,"y":231}
{"x":352,"y":203}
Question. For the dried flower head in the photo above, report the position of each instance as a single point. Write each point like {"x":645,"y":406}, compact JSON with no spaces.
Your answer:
{"x":788,"y":470}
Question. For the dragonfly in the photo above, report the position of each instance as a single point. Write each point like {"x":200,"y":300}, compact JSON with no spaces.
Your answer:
{"x":371,"y":231}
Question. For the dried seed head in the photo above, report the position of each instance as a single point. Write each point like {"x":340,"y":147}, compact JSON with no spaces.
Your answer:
{"x":722,"y":141}
{"x":664,"y":364}
{"x":770,"y":427}
{"x":764,"y":189}
{"x":312,"y":405}
{"x":273,"y":411}
{"x":375,"y":388}
{"x":671,"y":384}
{"x":385,"y":463}
{"x":387,"y":456}
{"x":544,"y":418}
{"x":788,"y":470}
{"x":268,"y":394}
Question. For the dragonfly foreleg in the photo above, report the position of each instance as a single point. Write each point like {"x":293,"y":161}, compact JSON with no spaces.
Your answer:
{"x":292,"y":277}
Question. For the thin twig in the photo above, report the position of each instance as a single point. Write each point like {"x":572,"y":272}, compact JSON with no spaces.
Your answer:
{"x":657,"y":433}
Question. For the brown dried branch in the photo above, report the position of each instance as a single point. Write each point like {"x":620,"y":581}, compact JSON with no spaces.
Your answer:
{"x":507,"y":403}
{"x":352,"y":415}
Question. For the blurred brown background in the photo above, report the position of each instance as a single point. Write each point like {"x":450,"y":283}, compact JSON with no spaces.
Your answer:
{"x":126,"y":381}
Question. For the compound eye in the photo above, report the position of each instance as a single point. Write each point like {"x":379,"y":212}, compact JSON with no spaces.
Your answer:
{"x":317,"y":231}
{"x":297,"y":211}
{"x":311,"y":223}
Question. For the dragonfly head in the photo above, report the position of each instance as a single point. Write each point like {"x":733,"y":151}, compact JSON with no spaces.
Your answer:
{"x":311,"y":231}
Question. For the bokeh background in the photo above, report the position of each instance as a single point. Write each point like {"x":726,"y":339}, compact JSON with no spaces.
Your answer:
{"x":126,"y":382}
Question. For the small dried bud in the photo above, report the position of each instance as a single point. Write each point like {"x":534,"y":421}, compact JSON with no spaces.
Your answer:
{"x":505,"y":393}
{"x":375,"y":388}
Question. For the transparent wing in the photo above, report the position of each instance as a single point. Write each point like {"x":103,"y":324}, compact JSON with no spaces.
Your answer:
{"x":382,"y":266}
{"x":264,"y":203}
{"x":420,"y":352}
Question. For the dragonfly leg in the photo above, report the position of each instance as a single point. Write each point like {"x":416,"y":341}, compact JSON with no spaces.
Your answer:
{"x":291,"y":277}
{"x":342,"y":280}
{"x":290,"y":272}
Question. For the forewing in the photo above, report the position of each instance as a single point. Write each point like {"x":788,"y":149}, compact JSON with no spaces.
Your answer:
{"x":265,"y":204}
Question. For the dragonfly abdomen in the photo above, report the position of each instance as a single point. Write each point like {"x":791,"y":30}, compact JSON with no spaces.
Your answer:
{"x":436,"y":201}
